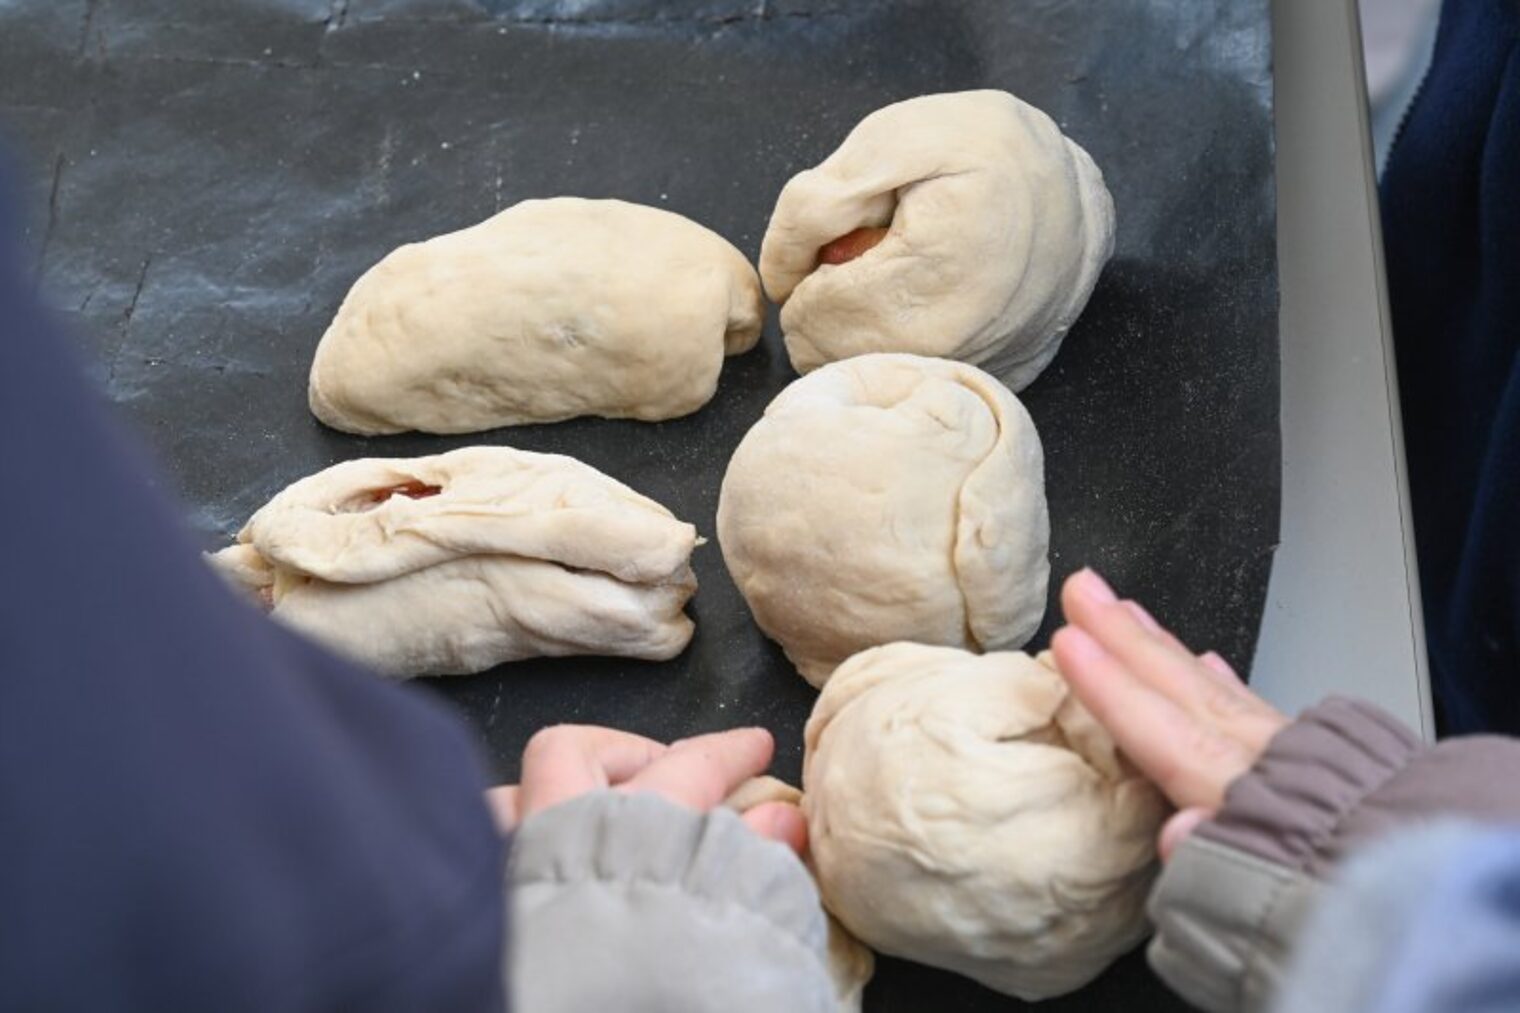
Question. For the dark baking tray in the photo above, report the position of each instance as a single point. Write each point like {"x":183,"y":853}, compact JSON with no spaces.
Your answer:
{"x":209,"y":177}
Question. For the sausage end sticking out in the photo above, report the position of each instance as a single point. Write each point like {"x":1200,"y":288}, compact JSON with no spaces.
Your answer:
{"x":850,"y":245}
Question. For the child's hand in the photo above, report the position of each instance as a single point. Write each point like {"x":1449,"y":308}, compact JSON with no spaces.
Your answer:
{"x":565,"y":761}
{"x":1186,"y":721}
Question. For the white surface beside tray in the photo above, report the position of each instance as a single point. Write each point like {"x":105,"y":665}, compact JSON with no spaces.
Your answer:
{"x":1343,"y":608}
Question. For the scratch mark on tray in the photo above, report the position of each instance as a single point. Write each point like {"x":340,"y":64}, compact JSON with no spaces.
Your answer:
{"x":761,"y":12}
{"x":387,"y":155}
{"x":142,"y":279}
{"x":259,"y":64}
{"x":1178,"y":525}
{"x":495,"y":708}
{"x":317,"y":263}
{"x":227,"y":61}
{"x":52,"y":219}
{"x":337,"y":15}
{"x":126,"y":323}
{"x":85,"y":25}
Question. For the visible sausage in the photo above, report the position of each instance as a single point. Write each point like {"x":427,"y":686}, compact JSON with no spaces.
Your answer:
{"x":850,"y":245}
{"x":411,"y":490}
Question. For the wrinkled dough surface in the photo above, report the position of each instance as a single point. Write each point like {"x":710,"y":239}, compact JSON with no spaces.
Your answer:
{"x":888,"y":497}
{"x":507,"y":555}
{"x":494,"y":500}
{"x":548,"y":310}
{"x":851,"y":964}
{"x":966,"y":812}
{"x":999,"y":226}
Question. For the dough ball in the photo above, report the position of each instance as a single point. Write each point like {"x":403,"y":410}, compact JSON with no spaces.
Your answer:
{"x":888,"y":497}
{"x":549,"y":310}
{"x":453,"y":564}
{"x":851,"y":964}
{"x":963,"y":225}
{"x":759,"y":790}
{"x":966,"y":812}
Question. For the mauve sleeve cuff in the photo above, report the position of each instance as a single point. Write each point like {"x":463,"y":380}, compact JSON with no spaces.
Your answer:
{"x":1290,"y":807}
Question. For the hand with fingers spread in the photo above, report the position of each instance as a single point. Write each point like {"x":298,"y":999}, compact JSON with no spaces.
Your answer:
{"x":565,"y":761}
{"x":1186,"y":720}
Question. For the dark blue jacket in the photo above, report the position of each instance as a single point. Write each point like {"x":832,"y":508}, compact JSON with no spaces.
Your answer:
{"x":1451,"y":232}
{"x":198,"y":810}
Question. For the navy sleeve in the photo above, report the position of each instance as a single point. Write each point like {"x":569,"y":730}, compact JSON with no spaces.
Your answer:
{"x":1451,"y":237}
{"x":199,"y":810}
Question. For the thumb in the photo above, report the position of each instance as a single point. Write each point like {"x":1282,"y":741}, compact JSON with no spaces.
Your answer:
{"x":1177,"y":829}
{"x":502,"y":802}
{"x":779,"y":821}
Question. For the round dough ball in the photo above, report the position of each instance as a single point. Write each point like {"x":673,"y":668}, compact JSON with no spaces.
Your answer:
{"x":966,"y":812}
{"x":549,"y":310}
{"x":888,"y":497}
{"x":996,"y":228}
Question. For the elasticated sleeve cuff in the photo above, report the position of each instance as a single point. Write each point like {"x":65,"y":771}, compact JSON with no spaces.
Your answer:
{"x":632,"y":903}
{"x":1233,"y":898}
{"x":1231,"y":901}
{"x":1291,"y":806}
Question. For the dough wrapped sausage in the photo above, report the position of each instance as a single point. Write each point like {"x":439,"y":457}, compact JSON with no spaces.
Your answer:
{"x":455,"y":563}
{"x":962,"y":225}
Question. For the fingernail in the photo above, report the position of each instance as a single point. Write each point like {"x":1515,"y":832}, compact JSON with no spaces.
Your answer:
{"x":1145,"y":618}
{"x":1218,"y":664}
{"x":1094,"y":587}
{"x":1177,"y":829}
{"x":1076,"y":640}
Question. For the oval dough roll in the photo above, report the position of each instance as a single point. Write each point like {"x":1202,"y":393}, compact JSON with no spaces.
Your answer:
{"x":888,"y":497}
{"x":456,"y":563}
{"x":549,"y":310}
{"x":967,"y":812}
{"x":997,"y":228}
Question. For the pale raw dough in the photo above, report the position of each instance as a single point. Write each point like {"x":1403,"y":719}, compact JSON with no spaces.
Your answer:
{"x":549,"y":310}
{"x":515,"y":555}
{"x":967,"y":812}
{"x":999,"y":227}
{"x":888,"y":497}
{"x":851,"y":964}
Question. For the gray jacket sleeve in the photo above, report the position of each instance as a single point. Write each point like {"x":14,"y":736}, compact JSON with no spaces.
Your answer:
{"x":1229,"y":905}
{"x":631,"y":903}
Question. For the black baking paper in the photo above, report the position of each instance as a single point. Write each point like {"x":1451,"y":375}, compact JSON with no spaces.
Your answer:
{"x":206,"y":178}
